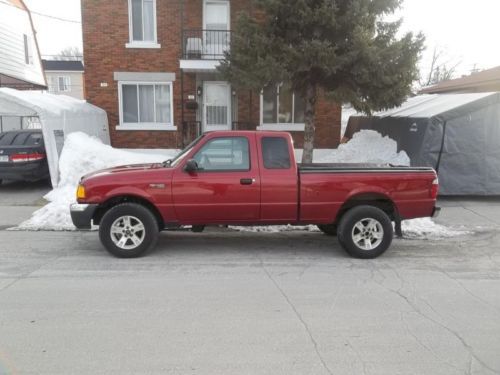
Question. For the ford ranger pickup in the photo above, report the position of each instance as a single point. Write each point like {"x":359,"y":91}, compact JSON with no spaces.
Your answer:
{"x":252,"y":179}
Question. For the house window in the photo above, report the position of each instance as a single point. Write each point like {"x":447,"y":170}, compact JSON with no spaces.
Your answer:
{"x":64,"y":84}
{"x":28,"y":50}
{"x":146,"y":106}
{"x":142,"y":24}
{"x":281,"y":108}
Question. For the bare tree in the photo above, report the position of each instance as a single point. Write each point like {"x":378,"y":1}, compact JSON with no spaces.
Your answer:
{"x":70,"y":53}
{"x":442,"y":68}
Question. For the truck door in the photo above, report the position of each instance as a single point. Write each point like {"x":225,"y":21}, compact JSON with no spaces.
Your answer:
{"x":279,"y":180}
{"x":225,"y":189}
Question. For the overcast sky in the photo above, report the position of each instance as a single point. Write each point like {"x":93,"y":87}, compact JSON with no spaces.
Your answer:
{"x":467,"y":31}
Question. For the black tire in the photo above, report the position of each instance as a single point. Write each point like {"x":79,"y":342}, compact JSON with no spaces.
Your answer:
{"x":197,"y":228}
{"x":328,"y":229}
{"x":116,"y":217}
{"x":376,"y":236}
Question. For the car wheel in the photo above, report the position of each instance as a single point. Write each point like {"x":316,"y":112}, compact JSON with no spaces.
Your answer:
{"x":365,"y":232}
{"x":128,"y":230}
{"x":328,"y":229}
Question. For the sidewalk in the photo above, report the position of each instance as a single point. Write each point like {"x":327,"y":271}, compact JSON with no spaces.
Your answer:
{"x":469,"y":211}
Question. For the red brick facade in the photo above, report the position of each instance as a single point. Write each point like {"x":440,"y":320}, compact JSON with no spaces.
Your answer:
{"x":105,"y":35}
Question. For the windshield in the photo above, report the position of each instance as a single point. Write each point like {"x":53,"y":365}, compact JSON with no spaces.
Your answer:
{"x":175,"y":161}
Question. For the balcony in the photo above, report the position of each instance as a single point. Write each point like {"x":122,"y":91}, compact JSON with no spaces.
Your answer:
{"x":202,"y":50}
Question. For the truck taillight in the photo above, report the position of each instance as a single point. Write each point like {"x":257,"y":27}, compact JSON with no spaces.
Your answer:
{"x":23,"y":158}
{"x":435,"y":188}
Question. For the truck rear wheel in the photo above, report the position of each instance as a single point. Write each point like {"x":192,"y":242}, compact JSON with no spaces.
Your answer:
{"x":365,"y":232}
{"x":328,"y":229}
{"x":128,"y":230}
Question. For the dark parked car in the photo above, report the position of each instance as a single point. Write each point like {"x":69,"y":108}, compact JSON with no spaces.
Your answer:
{"x":22,"y":156}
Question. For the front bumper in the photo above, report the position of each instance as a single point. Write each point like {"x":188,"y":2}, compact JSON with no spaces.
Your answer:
{"x":436,"y":211}
{"x":82,"y":214}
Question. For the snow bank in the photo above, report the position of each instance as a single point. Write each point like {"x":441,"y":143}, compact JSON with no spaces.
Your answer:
{"x":367,"y":146}
{"x":427,"y":229}
{"x":81,"y":154}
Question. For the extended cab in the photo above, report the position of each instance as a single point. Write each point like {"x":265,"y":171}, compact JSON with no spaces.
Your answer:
{"x":252,"y":178}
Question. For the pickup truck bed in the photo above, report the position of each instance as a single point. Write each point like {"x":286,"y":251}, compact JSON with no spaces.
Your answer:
{"x":251,"y":178}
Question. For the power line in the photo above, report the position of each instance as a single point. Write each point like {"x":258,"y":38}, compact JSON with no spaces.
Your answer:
{"x":46,"y":15}
{"x":55,"y":18}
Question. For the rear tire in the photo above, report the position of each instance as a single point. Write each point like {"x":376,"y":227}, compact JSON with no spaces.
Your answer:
{"x":128,"y":230}
{"x":328,"y":229}
{"x":365,"y":232}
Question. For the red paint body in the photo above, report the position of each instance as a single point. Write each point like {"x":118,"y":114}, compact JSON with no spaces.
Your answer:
{"x":282,"y":196}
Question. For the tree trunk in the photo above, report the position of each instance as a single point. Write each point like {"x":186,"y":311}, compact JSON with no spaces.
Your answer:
{"x":310,"y":129}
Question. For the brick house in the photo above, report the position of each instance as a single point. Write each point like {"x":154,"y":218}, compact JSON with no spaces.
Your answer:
{"x":151,"y":64}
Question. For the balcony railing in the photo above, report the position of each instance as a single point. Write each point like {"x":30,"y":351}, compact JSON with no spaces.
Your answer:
{"x":205,"y":44}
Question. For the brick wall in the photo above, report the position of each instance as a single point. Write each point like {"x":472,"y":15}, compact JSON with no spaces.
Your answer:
{"x":105,"y":34}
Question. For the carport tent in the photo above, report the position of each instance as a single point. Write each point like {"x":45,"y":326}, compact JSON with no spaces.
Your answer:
{"x":57,"y":116}
{"x":457,"y":134}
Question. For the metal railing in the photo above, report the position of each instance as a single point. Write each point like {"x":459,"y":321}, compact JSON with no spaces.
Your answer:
{"x":205,"y":44}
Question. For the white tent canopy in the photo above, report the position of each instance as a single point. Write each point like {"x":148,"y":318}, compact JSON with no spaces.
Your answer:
{"x":58,"y":116}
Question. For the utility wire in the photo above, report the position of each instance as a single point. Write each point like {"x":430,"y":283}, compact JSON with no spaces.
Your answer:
{"x":45,"y":15}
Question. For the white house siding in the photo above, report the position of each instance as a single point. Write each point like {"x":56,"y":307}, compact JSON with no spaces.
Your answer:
{"x":14,"y":24}
{"x":76,"y":83}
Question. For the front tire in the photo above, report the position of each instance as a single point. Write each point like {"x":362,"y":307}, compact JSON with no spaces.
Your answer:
{"x":365,"y":232}
{"x":128,"y":230}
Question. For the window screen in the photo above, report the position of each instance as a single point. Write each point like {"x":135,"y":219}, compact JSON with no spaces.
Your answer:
{"x":275,"y":152}
{"x":224,"y":154}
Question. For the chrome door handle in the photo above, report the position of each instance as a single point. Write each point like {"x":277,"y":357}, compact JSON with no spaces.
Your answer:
{"x":247,"y":181}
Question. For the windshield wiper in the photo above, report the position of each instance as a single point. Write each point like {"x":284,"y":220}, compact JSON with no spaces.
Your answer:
{"x":167,"y":163}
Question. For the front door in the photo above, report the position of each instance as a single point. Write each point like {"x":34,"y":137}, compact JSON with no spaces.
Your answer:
{"x":225,"y":189}
{"x":216,"y":106}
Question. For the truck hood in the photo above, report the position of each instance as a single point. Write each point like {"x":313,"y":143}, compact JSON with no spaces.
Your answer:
{"x":123,"y":169}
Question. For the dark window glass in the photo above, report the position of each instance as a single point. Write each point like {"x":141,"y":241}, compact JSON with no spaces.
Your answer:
{"x":224,"y":154}
{"x":20,"y":139}
{"x":34,"y":139}
{"x":275,"y":152}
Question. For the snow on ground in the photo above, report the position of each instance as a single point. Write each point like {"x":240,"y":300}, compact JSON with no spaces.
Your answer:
{"x":81,"y":154}
{"x":426,"y":228}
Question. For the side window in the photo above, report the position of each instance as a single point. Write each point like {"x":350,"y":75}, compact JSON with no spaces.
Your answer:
{"x":224,"y":154}
{"x":275,"y":153}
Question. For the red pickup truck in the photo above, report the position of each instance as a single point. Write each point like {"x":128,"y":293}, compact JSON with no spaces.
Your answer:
{"x":251,"y":178}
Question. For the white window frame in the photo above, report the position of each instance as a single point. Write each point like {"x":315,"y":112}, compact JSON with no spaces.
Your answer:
{"x":137,"y":43}
{"x":146,"y":125}
{"x":68,"y":81}
{"x":279,"y":126}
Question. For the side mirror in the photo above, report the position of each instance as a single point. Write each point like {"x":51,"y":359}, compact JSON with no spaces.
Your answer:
{"x":191,"y":166}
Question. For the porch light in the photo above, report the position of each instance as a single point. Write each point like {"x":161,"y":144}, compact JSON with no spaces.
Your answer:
{"x":200,"y":91}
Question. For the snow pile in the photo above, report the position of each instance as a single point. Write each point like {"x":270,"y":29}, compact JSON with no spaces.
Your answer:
{"x":427,"y":229}
{"x":276,"y":228}
{"x":368,"y":146}
{"x":81,"y":154}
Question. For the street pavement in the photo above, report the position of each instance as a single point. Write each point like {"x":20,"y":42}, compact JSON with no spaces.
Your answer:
{"x":225,"y":302}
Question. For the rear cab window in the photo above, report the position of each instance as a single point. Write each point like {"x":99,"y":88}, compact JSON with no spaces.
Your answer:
{"x":275,"y":153}
{"x":224,"y":154}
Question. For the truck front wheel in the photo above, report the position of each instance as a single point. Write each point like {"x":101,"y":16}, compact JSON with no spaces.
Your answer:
{"x":128,"y":230}
{"x":365,"y":232}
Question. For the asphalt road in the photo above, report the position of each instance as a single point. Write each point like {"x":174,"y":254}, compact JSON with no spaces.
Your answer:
{"x":240,"y":303}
